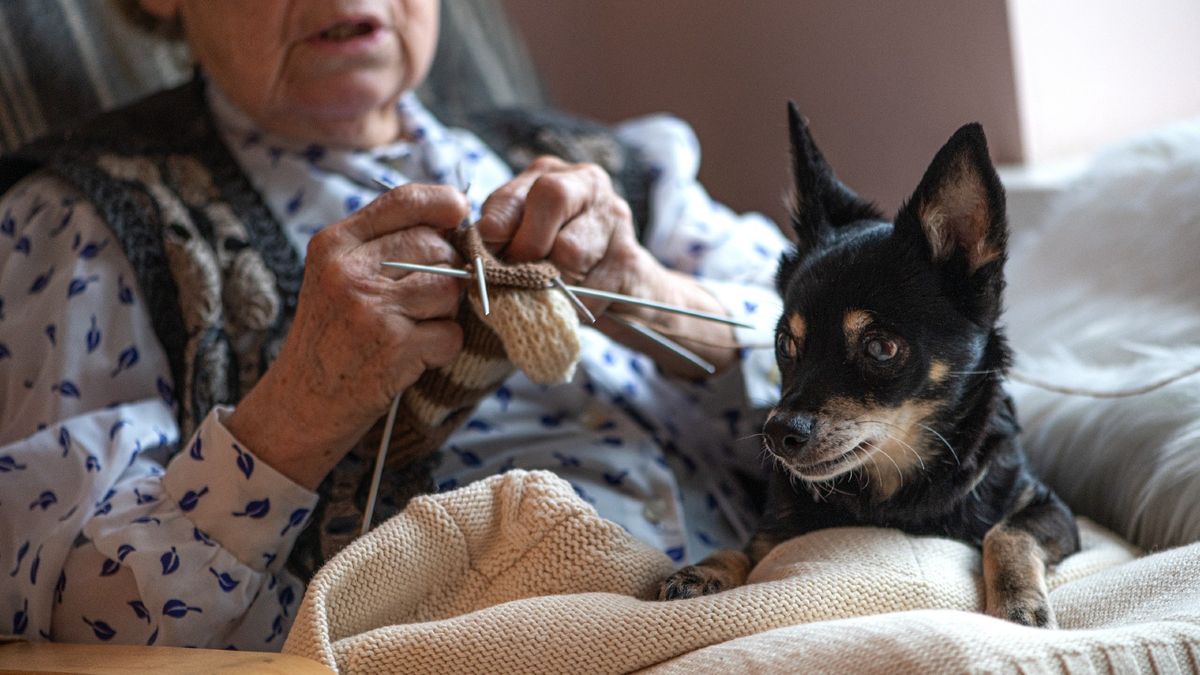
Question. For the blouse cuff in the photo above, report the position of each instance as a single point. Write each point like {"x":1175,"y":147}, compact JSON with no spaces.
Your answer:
{"x":244,"y":504}
{"x":760,"y":307}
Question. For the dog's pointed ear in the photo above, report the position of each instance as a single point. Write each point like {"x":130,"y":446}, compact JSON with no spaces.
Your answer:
{"x":958,"y":209}
{"x":818,"y":199}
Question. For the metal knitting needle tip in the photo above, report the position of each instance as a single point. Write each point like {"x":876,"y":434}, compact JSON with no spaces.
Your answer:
{"x":587,"y":314}
{"x":667,"y":343}
{"x":483,"y":293}
{"x":629,"y":300}
{"x":384,"y":184}
{"x":414,"y":267}
{"x":380,"y":459}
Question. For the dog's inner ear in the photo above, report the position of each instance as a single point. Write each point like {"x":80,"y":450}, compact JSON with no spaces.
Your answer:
{"x":959,"y":205}
{"x":818,"y":201}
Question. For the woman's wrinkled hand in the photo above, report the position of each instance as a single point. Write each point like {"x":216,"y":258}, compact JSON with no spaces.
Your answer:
{"x":362,"y":333}
{"x":571,"y":215}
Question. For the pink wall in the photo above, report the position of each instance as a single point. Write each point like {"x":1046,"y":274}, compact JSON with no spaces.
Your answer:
{"x":883,"y":84}
{"x":1092,"y":71}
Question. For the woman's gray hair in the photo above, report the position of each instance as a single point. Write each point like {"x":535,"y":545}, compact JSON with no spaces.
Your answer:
{"x":131,"y":11}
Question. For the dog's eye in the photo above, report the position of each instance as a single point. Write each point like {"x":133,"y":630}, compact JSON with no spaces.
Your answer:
{"x":785,"y":345}
{"x":881,"y":349}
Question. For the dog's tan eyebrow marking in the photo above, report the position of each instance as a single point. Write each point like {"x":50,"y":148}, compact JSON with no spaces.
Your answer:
{"x":938,"y":370}
{"x":855,"y":321}
{"x":798,"y":327}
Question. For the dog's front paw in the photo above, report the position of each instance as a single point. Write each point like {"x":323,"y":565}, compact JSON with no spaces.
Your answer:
{"x":1026,"y":609}
{"x":692,"y":581}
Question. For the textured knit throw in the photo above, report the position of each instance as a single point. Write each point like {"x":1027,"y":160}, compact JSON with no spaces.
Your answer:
{"x":517,"y":574}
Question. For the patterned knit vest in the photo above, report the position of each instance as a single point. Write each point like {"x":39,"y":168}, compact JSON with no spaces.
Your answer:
{"x":221,"y":280}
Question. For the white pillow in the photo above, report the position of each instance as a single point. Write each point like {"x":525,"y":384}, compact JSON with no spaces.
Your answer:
{"x":1107,"y":296}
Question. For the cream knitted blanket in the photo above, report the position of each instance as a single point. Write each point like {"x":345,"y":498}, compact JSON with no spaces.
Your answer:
{"x":517,"y":574}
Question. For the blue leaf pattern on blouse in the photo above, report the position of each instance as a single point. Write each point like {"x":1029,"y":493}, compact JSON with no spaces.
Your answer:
{"x":178,"y":609}
{"x":93,"y":336}
{"x":21,"y":619}
{"x":169,"y":561}
{"x":124,"y":292}
{"x":42,"y":280}
{"x":191,"y":498}
{"x":44,"y":500}
{"x":109,"y":568}
{"x":79,"y":285}
{"x":139,"y":610}
{"x":103,"y":631}
{"x":295,"y":520}
{"x":33,"y":567}
{"x":127,"y":359}
{"x":9,"y":463}
{"x":224,"y":581}
{"x":92,"y":249}
{"x":255,"y":509}
{"x":245,"y":462}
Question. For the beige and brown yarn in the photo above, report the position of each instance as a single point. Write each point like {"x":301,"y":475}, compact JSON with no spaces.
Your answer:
{"x":531,"y":327}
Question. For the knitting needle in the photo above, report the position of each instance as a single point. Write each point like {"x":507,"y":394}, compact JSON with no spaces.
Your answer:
{"x":666,"y":343}
{"x":629,"y":300}
{"x":379,"y":460}
{"x":483,"y":293}
{"x":479,"y":276}
{"x":586,"y":292}
{"x":587,"y":313}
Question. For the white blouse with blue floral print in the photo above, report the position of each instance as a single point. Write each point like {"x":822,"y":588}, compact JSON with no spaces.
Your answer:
{"x":104,"y":538}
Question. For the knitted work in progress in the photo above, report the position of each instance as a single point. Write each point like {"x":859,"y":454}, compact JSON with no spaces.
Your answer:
{"x":531,"y":326}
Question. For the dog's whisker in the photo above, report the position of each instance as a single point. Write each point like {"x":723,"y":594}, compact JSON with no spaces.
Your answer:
{"x":910,"y":448}
{"x":879,"y":451}
{"x":943,"y":440}
{"x":871,"y":457}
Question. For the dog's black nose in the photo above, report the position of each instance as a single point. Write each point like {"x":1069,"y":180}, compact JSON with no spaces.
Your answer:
{"x":788,"y":432}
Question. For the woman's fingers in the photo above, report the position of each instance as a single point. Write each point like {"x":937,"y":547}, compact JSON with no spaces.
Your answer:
{"x":554,"y":199}
{"x":422,"y":245}
{"x":436,"y":343}
{"x":440,"y":207}
{"x":421,"y":296}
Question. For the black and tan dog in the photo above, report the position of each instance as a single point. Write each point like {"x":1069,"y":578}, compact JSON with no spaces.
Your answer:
{"x":892,"y":412}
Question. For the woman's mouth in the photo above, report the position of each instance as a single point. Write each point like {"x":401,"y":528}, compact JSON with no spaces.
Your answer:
{"x":347,"y":30}
{"x":349,"y":35}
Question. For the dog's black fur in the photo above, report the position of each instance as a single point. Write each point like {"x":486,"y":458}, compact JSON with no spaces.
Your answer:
{"x":892,"y":412}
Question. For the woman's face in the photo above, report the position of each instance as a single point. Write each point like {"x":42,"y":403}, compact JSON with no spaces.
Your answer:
{"x":323,"y":71}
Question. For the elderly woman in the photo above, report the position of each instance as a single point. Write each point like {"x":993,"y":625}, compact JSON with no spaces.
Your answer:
{"x":151,"y":301}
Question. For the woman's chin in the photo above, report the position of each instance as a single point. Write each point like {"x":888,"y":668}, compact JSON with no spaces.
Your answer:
{"x":354,"y":116}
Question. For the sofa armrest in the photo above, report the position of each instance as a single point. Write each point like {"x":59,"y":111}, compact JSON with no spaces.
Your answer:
{"x":25,"y":657}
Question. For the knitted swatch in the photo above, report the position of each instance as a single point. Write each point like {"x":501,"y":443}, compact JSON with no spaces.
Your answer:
{"x":532,"y":326}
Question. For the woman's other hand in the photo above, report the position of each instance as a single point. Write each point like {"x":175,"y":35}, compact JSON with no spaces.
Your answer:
{"x":571,"y":215}
{"x":362,"y":333}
